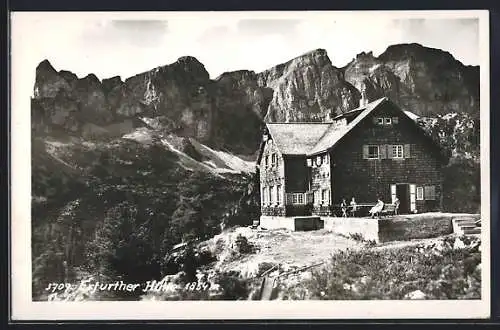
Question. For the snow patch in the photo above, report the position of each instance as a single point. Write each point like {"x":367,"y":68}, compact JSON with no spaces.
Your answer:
{"x":412,"y":116}
{"x":142,"y":135}
{"x":230,"y":162}
{"x":375,"y":67}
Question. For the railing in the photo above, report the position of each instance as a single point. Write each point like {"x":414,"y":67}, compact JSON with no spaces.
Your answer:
{"x":325,"y":210}
{"x":300,"y":198}
{"x":273,"y":210}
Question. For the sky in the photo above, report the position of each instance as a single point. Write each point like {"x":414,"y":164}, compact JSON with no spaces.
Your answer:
{"x":126,"y":44}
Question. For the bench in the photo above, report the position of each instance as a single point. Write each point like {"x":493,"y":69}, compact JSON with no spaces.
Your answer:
{"x":389,"y":209}
{"x":361,"y":209}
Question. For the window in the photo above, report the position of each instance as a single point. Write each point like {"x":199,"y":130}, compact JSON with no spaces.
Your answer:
{"x":387,"y":121}
{"x":264,"y":196}
{"x":267,"y":161}
{"x":278,"y":195}
{"x":325,"y":196}
{"x":373,"y":152}
{"x":273,"y":160}
{"x":325,"y":159}
{"x":420,"y":193}
{"x":317,"y":197}
{"x":272,"y":195}
{"x":430,"y":192}
{"x":380,"y":121}
{"x":298,"y":198}
{"x":397,"y":151}
{"x":319,"y":161}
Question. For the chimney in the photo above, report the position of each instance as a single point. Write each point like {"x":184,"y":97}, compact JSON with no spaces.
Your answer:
{"x":265,"y":135}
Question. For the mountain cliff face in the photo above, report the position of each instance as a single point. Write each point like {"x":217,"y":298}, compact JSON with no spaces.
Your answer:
{"x":422,"y":80}
{"x":228,"y":112}
{"x":308,"y":88}
{"x":169,"y":154}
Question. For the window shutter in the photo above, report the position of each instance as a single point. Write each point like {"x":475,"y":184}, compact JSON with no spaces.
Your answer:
{"x":395,"y":120}
{"x":389,"y":151}
{"x":406,"y":152}
{"x":413,"y":202}
{"x":310,"y":198}
{"x":393,"y":193}
{"x":383,"y":151}
{"x":365,"y":151}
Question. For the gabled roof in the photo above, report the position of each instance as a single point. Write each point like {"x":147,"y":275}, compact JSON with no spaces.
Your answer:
{"x":296,"y":138}
{"x":334,"y":133}
{"x":313,"y":138}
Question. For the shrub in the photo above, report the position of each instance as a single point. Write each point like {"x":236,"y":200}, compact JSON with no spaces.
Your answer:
{"x":439,"y":270}
{"x":242,"y":245}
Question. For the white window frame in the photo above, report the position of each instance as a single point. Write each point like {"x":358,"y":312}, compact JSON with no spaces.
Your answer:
{"x":378,"y":151}
{"x":420,"y":193}
{"x":266,"y":161}
{"x":317,"y":197}
{"x":298,"y":198}
{"x":387,"y":121}
{"x":399,"y":151}
{"x":274,"y":160}
{"x":380,"y":121}
{"x":278,"y":194}
{"x":325,"y":197}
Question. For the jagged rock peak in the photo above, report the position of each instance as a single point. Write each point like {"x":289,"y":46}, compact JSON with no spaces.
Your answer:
{"x":45,"y":65}
{"x":68,"y":75}
{"x":239,"y":74}
{"x":318,"y":55}
{"x":109,"y":83}
{"x":363,"y":55}
{"x":414,"y":50}
{"x":188,"y":59}
{"x":91,"y":78}
{"x":191,"y":63}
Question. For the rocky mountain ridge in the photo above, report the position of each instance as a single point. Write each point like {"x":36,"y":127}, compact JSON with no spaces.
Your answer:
{"x":228,"y":112}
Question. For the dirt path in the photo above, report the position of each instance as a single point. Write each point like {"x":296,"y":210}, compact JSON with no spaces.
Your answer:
{"x":294,"y":249}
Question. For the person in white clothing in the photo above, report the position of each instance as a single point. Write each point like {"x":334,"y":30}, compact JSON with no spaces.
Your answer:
{"x":354,"y":207}
{"x":377,"y":208}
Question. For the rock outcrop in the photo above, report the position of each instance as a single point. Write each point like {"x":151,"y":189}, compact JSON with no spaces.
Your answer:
{"x":228,"y":112}
{"x":308,"y":88}
{"x":422,"y":80}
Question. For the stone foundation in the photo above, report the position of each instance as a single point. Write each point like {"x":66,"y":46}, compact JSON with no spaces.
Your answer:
{"x":290,"y":223}
{"x":399,"y":228}
{"x":366,"y":227}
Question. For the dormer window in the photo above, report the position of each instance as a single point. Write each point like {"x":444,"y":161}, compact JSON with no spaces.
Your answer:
{"x":385,"y":121}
